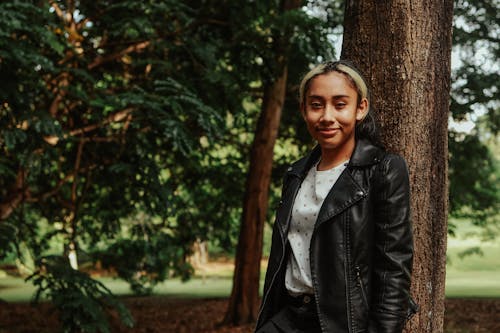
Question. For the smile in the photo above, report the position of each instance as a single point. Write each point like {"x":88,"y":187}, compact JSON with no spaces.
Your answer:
{"x":327,"y":130}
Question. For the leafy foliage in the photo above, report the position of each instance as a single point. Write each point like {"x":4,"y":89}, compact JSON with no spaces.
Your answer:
{"x":121,"y":124}
{"x":149,"y":259}
{"x":474,"y":190}
{"x":97,"y":105}
{"x":8,"y":235}
{"x":475,"y":97}
{"x":79,"y":299}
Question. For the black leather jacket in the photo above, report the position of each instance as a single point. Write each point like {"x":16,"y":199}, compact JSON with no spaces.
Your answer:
{"x":361,"y":248}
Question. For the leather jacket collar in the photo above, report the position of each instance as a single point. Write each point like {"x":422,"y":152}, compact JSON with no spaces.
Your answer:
{"x":364,"y":154}
{"x":346,"y":191}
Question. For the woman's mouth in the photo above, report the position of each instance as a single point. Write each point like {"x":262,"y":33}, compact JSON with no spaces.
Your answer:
{"x":327,"y":131}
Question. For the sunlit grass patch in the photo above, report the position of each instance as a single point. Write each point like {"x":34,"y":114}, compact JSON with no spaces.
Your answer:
{"x":474,"y":275}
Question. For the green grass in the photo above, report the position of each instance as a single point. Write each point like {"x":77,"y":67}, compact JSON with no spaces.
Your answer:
{"x":473,"y":284}
{"x":476,"y":275}
{"x":472,"y":276}
{"x":16,"y":290}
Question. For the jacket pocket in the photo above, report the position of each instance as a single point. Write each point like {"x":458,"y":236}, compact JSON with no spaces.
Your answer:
{"x":361,"y":286}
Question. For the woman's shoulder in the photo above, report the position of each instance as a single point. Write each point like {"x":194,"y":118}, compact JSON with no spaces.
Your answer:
{"x":393,"y":160}
{"x":393,"y":170}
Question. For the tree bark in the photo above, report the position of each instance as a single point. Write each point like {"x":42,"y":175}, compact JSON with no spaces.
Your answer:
{"x":244,"y":301}
{"x":404,"y":50}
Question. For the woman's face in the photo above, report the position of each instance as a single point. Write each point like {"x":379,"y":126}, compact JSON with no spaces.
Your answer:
{"x":331,"y":111}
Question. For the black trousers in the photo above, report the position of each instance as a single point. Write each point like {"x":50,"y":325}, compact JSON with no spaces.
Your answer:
{"x":298,"y":316}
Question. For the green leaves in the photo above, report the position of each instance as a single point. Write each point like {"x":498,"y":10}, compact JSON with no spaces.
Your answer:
{"x":14,"y":137}
{"x":8,"y":238}
{"x":97,"y":105}
{"x":81,"y":301}
{"x":178,"y":104}
{"x":148,"y":258}
{"x":473,"y":168}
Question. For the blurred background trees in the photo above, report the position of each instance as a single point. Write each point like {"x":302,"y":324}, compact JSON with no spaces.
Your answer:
{"x":474,"y":169}
{"x":126,"y":129}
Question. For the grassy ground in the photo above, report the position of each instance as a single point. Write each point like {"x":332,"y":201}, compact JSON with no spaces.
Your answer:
{"x":472,"y":276}
{"x":472,"y":304}
{"x":475,"y":275}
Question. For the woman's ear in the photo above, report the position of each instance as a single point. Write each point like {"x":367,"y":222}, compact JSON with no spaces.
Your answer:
{"x":362,"y":109}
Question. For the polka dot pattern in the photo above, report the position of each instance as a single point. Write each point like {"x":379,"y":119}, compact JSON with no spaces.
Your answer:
{"x":308,"y":202}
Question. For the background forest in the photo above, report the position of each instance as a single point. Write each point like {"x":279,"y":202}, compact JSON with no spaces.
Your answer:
{"x":127,"y":126}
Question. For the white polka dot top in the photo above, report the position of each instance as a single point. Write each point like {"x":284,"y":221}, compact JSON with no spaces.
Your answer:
{"x":310,"y":197}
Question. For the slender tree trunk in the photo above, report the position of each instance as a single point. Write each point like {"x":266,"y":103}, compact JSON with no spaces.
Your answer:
{"x":404,"y":49}
{"x":70,"y":247}
{"x":244,"y":301}
{"x":17,"y":194}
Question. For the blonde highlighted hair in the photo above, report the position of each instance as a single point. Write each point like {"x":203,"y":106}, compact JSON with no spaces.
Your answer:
{"x":344,"y":67}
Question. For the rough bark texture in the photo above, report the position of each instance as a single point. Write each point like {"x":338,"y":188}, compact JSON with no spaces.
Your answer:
{"x":244,"y":301}
{"x":404,"y":49}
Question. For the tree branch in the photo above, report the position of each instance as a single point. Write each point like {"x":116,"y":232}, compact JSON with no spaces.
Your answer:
{"x":62,"y":181}
{"x":112,"y":118}
{"x":58,"y":10}
{"x":60,"y":91}
{"x":132,"y":48}
{"x":76,"y":171}
{"x":18,"y":194}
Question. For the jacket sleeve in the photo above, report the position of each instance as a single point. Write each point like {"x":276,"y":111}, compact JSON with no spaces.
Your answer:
{"x":393,"y":248}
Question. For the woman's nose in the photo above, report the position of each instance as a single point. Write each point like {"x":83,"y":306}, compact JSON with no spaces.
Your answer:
{"x":328,"y":114}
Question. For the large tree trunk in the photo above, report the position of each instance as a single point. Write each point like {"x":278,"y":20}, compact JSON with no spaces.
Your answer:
{"x":404,"y":49}
{"x":244,"y":301}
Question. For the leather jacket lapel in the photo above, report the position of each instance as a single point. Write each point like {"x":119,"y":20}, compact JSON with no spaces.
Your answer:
{"x":344,"y":193}
{"x":286,"y":204}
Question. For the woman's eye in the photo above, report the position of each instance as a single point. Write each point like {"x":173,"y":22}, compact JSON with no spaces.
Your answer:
{"x":316,"y":105}
{"x":340,"y":105}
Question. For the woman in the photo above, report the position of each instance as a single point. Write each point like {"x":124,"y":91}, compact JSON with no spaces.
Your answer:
{"x":342,"y":248}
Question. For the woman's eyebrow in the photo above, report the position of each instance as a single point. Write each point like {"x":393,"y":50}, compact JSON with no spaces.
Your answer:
{"x":334,"y":96}
{"x":340,"y":96}
{"x":315,"y":96}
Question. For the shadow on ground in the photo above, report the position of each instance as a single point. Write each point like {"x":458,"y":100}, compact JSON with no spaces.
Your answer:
{"x":162,"y":314}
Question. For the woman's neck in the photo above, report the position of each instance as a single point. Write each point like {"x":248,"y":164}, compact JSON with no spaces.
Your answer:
{"x":331,"y":158}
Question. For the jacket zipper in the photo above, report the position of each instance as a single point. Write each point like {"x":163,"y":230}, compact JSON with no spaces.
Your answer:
{"x":361,"y":286}
{"x":314,"y":282}
{"x":274,"y":277}
{"x":283,"y":243}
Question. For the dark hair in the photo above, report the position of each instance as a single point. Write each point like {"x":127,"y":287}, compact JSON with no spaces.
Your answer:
{"x":366,"y":128}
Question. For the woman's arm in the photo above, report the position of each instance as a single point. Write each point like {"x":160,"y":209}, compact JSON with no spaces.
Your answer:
{"x":393,"y":248}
